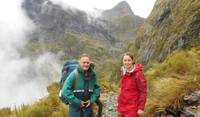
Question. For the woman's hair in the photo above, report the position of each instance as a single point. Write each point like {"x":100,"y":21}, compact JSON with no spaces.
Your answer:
{"x":130,"y":55}
{"x":84,"y":55}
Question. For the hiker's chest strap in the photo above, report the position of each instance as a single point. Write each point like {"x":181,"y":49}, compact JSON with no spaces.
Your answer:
{"x":82,"y":90}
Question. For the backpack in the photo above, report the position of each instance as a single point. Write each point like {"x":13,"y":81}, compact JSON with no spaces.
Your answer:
{"x":68,"y":67}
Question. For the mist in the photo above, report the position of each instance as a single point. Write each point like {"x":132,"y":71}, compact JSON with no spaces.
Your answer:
{"x":92,"y":14}
{"x":23,"y":80}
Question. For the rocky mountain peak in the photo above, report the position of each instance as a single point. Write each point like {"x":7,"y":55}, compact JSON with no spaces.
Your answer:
{"x":121,"y":8}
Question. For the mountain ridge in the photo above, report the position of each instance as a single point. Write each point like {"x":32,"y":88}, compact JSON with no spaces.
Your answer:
{"x":172,"y":25}
{"x":55,"y":23}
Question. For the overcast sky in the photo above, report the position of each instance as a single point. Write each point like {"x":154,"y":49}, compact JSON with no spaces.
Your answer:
{"x":139,"y":7}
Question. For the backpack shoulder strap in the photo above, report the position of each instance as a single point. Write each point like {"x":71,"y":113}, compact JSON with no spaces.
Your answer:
{"x":75,"y":78}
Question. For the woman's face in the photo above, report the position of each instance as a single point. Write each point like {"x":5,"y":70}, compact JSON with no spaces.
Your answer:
{"x":127,"y":61}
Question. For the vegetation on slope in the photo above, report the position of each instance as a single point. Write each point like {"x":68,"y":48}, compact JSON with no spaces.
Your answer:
{"x":177,"y":76}
{"x":172,"y":25}
{"x":168,"y":82}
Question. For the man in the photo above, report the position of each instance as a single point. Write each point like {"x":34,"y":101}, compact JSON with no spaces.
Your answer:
{"x":85,"y":91}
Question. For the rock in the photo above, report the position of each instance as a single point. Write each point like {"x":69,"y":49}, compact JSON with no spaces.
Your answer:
{"x":194,"y":98}
{"x":190,"y":109}
{"x":109,"y":101}
{"x":193,"y":103}
{"x":195,"y":111}
{"x":164,"y":14}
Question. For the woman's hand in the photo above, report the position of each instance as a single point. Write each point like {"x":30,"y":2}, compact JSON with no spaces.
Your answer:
{"x":140,"y":112}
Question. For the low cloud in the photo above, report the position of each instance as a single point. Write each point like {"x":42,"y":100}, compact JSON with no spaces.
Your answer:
{"x":23,"y":79}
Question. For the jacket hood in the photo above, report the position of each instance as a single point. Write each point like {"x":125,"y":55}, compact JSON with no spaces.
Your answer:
{"x":138,"y":67}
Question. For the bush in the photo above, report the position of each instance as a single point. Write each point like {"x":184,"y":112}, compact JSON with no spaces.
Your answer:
{"x":49,"y":106}
{"x":5,"y":112}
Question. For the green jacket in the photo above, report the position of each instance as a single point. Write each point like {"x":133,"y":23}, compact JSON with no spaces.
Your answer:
{"x":73,"y":90}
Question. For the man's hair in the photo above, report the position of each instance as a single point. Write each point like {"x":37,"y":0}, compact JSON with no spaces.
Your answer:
{"x":84,"y":55}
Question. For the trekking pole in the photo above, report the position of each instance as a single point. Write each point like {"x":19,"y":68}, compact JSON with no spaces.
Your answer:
{"x":100,"y":107}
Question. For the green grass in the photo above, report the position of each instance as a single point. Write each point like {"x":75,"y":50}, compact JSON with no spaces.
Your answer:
{"x":170,"y":81}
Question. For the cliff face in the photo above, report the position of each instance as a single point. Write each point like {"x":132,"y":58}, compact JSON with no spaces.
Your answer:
{"x":172,"y":25}
{"x":53,"y":21}
{"x":69,"y":29}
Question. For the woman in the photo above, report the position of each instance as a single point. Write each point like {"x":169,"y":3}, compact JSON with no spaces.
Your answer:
{"x":133,"y":89}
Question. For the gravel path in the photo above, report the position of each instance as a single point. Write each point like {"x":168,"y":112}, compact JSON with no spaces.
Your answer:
{"x":109,"y":101}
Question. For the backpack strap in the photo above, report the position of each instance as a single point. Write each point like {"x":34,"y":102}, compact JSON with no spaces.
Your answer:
{"x":75,"y":78}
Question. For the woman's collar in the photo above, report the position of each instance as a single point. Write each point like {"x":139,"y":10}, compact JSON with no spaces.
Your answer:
{"x":125,"y":70}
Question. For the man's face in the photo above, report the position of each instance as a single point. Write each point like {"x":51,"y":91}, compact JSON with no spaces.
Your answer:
{"x":85,"y":63}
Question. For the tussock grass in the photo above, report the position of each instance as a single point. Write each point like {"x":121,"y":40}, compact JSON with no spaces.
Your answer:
{"x":170,"y":81}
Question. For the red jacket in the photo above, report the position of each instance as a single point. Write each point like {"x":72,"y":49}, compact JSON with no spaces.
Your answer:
{"x":133,"y":92}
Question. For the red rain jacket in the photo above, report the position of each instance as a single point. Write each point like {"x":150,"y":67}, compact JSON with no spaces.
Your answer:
{"x":133,"y":92}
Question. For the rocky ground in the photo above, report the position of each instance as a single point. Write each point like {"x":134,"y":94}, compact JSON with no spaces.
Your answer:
{"x":109,"y":100}
{"x":109,"y":104}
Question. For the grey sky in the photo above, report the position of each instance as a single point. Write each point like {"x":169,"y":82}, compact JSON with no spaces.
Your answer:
{"x":139,"y":7}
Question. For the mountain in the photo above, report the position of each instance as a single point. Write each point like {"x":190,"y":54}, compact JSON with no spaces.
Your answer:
{"x":106,"y":33}
{"x":121,"y":22}
{"x":172,"y":25}
{"x":53,"y":21}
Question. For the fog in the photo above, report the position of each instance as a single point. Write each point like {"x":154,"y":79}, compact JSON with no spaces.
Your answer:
{"x":23,"y":80}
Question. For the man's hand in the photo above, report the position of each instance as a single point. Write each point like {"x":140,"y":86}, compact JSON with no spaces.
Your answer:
{"x":87,"y":103}
{"x":82,"y":104}
{"x":140,"y":112}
